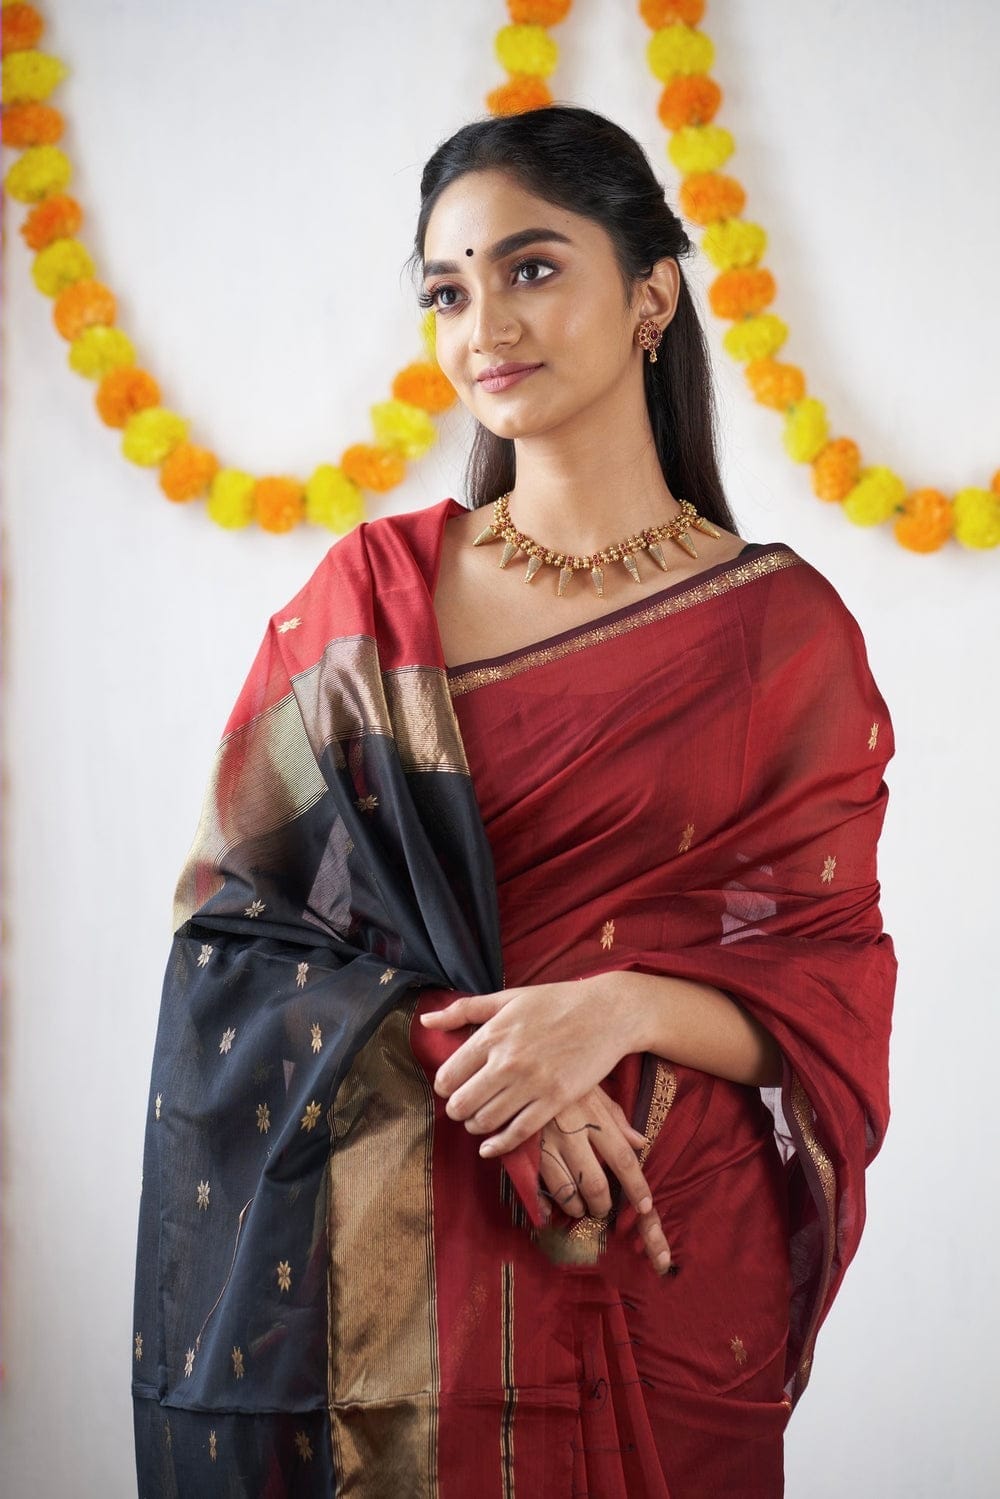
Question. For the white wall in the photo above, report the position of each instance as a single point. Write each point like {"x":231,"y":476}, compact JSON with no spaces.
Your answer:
{"x":250,"y":174}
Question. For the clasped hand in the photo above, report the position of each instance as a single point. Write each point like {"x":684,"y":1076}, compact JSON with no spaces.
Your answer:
{"x":535,"y":1062}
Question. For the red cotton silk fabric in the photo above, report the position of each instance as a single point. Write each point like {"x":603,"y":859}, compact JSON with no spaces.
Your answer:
{"x":710,"y":781}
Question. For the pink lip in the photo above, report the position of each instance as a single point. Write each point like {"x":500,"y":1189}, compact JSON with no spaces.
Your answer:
{"x":506,"y":376}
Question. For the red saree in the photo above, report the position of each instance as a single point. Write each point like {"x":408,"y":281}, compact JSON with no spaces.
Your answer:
{"x":691,"y":787}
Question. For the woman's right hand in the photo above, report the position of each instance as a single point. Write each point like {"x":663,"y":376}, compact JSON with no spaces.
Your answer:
{"x":574,"y":1145}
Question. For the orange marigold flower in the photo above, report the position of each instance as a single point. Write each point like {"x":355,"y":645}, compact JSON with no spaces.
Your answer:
{"x":657,"y":13}
{"x":741,"y":293}
{"x":82,"y":304}
{"x":522,"y":92}
{"x":373,"y":468}
{"x":58,"y":217}
{"x":689,"y":99}
{"x":31,"y":124}
{"x":708,"y":196}
{"x":22,"y":27}
{"x":926,"y":522}
{"x":424,"y":385}
{"x":279,"y":503}
{"x":124,"y":391}
{"x":187,"y":472}
{"x":538,"y":12}
{"x":836,"y":468}
{"x":774,"y":384}
{"x":995,"y":481}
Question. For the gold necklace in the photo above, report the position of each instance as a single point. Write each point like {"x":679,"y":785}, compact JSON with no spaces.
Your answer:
{"x":502,"y":528}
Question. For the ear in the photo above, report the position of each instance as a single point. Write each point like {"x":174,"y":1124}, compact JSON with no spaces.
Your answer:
{"x":660,"y":291}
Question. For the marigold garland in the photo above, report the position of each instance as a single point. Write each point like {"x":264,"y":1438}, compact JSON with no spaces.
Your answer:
{"x":680,"y":56}
{"x":127,"y":396}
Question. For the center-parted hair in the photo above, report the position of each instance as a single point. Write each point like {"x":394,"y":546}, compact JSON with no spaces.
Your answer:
{"x":587,"y":164}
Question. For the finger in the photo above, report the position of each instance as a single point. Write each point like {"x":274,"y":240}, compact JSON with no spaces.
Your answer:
{"x":622,"y":1120}
{"x":463,"y":1064}
{"x":559,"y":1183}
{"x":494,"y":1113}
{"x":468,"y":1009}
{"x":655,"y":1241}
{"x":619,"y":1156}
{"x":534,"y":1116}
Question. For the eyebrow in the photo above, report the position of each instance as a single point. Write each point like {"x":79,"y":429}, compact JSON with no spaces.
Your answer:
{"x":502,"y":248}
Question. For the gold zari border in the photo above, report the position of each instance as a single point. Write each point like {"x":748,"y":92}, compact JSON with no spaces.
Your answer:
{"x":803,"y":1112}
{"x":744,"y":572}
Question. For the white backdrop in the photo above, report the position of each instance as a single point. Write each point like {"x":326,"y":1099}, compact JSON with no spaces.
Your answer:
{"x":250,"y":175}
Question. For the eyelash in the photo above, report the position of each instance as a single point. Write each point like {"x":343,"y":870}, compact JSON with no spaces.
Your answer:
{"x":429,"y":298}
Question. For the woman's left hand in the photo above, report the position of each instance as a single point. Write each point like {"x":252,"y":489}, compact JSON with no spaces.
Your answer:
{"x":535,"y":1050}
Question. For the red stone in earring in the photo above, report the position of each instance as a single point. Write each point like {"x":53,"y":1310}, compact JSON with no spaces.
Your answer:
{"x":649,"y":334}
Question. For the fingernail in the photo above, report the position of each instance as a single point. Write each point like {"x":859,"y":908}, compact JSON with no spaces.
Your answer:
{"x":487,"y":1148}
{"x":645,"y":1205}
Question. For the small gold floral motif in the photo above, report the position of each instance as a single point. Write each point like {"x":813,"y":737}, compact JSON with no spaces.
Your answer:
{"x":301,"y":974}
{"x":873,"y":735}
{"x":316,"y":1035}
{"x":288,"y":624}
{"x":304,"y":1445}
{"x":206,"y":952}
{"x":284,"y":1275}
{"x":138,"y":1346}
{"x":349,"y":846}
{"x":388,"y":976}
{"x":739,"y":1351}
{"x":829,"y":869}
{"x":263,"y":1118}
{"x":203,"y":1191}
{"x":237,"y":1358}
{"x":255,"y":908}
{"x":366,"y":803}
{"x":158,"y":1104}
{"x":189,"y":1363}
{"x":310,"y":1118}
{"x":226,"y":1043}
{"x":687,"y":837}
{"x":213,"y":1449}
{"x":608,"y":935}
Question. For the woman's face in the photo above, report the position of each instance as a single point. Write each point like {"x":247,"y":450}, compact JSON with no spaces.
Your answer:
{"x":540,"y":288}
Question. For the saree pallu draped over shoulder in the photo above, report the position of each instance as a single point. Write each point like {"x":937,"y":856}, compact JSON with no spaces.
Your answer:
{"x":335,"y":1295}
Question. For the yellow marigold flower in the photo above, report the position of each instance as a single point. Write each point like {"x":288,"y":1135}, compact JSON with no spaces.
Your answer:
{"x":657,"y":13}
{"x":708,"y":196}
{"x":700,"y":148}
{"x":54,"y":218}
{"x":82,"y":304}
{"x":31,"y":76}
{"x":926,"y":522}
{"x":527,"y":49}
{"x":230,"y":499}
{"x":97,"y":350}
{"x":518,"y":95}
{"x":60,"y":264}
{"x":151,"y":435}
{"x":835,"y":469}
{"x":538,"y":12}
{"x":689,"y":99}
{"x":187,"y":472}
{"x":373,"y":468}
{"x":124,"y":391}
{"x":878,"y":494}
{"x":774,"y":384}
{"x":333,"y":501}
{"x":732,"y":243}
{"x":403,"y":427}
{"x":977,"y":518}
{"x":755,"y":337}
{"x":678,"y":49}
{"x":424,"y":385}
{"x":27,"y":125}
{"x":805,"y":430}
{"x":734,"y":294}
{"x":279,"y":503}
{"x":38,"y":173}
{"x":22,"y":28}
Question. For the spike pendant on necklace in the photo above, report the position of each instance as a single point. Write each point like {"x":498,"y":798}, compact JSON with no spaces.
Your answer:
{"x":502,"y":528}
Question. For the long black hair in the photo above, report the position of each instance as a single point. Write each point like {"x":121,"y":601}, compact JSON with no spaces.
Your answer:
{"x":586,"y":163}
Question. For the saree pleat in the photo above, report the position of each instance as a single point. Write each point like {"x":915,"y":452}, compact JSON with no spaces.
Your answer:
{"x":335,"y":1294}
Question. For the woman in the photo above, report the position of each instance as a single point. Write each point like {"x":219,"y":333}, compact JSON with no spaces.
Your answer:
{"x":506,"y":905}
